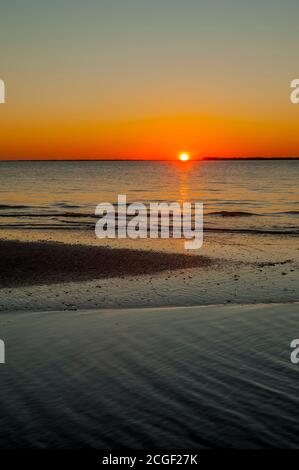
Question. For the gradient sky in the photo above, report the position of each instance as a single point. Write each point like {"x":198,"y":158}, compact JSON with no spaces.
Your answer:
{"x":148,"y":79}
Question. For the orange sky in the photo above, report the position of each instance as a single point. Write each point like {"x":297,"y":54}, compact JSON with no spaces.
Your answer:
{"x":156,"y":138}
{"x":142,"y":81}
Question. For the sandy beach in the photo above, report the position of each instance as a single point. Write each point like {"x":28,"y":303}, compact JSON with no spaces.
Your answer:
{"x":110,"y":347}
{"x":42,"y":263}
{"x":51,"y":273}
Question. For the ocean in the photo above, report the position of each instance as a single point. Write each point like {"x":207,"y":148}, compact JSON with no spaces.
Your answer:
{"x":244,"y":196}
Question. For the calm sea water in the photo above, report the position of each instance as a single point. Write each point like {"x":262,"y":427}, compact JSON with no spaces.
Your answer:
{"x":237,"y":195}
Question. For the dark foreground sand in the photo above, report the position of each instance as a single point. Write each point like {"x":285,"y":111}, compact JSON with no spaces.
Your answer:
{"x":197,"y":377}
{"x":38,"y":263}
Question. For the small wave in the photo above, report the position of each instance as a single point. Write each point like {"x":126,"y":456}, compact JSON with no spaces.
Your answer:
{"x":232,"y":213}
{"x":290,"y":212}
{"x":65,"y":205}
{"x":13,"y":206}
{"x":286,"y":231}
{"x":64,"y":225}
{"x":46,"y":214}
{"x":76,"y":214}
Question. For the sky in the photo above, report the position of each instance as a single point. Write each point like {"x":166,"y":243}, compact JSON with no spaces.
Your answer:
{"x":140,"y":79}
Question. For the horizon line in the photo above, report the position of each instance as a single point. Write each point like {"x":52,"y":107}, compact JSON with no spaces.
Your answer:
{"x":142,"y":160}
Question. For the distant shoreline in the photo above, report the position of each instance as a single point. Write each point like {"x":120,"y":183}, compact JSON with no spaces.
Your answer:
{"x":249,"y":158}
{"x":204,"y":159}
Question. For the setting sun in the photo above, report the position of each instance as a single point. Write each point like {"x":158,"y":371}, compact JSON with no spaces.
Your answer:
{"x":184,"y":157}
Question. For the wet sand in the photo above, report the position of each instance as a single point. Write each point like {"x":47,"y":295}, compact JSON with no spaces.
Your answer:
{"x":90,"y":365}
{"x":52,"y":272}
{"x":197,"y":377}
{"x":39,"y":263}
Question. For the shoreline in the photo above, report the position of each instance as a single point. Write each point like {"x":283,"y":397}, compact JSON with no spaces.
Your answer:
{"x":230,"y":270}
{"x":150,"y":309}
